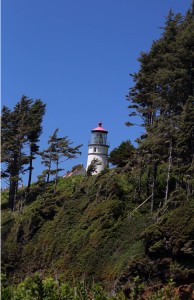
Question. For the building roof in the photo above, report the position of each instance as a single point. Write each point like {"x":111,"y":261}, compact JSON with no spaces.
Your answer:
{"x":77,"y":170}
{"x":100,"y":128}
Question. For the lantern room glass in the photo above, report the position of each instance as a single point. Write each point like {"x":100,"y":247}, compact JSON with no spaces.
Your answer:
{"x":99,"y":138}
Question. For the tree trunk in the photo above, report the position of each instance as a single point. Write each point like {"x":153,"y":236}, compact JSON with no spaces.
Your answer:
{"x":30,"y":169}
{"x":13,"y":183}
{"x":49,"y":171}
{"x":168,"y":173}
{"x":11,"y":194}
{"x":148,"y":181}
{"x":140,"y":179}
{"x":48,"y":175}
{"x":155,"y":170}
{"x":56,"y":176}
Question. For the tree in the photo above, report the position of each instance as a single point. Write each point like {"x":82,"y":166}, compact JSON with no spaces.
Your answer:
{"x":184,"y":168}
{"x":14,"y":137}
{"x":37,"y":111}
{"x":17,"y":130}
{"x":59,"y":150}
{"x":122,"y":154}
{"x":93,"y":167}
{"x":165,"y":79}
{"x":162,"y":96}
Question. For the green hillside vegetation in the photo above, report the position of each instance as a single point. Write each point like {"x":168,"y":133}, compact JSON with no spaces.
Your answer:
{"x":129,"y":228}
{"x":87,"y":231}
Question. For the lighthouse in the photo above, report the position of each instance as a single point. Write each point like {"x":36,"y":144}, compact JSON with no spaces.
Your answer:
{"x":98,"y":148}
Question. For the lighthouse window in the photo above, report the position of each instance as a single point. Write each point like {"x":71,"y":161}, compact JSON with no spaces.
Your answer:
{"x":100,"y":139}
{"x":95,"y":149}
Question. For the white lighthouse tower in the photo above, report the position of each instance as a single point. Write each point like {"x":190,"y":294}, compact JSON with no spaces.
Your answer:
{"x":98,"y":148}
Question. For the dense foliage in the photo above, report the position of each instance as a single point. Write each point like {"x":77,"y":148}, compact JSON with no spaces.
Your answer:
{"x":130,"y":228}
{"x":90,"y":229}
{"x":121,"y":155}
{"x":21,"y":128}
{"x":36,"y":288}
{"x":163,"y":96}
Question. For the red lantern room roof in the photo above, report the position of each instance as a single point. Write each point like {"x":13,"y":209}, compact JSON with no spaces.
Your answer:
{"x":100,"y":128}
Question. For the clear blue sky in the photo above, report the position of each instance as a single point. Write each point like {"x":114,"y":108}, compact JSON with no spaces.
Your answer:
{"x":76,"y":56}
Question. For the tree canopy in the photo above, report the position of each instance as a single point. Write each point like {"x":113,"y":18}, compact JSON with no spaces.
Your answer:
{"x":122,"y":154}
{"x":163,"y":96}
{"x":59,"y":150}
{"x":21,"y":128}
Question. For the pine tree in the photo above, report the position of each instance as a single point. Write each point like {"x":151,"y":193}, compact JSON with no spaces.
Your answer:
{"x":17,"y":129}
{"x":122,"y":154}
{"x":184,"y":169}
{"x":14,"y":137}
{"x":59,"y":150}
{"x":162,"y":96}
{"x":37,"y":111}
{"x":92,"y":168}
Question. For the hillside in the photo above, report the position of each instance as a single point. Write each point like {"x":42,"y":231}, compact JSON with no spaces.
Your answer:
{"x":129,"y":228}
{"x":88,"y":231}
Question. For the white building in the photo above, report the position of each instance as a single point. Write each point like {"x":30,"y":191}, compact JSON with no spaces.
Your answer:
{"x":98,"y":148}
{"x":76,"y":170}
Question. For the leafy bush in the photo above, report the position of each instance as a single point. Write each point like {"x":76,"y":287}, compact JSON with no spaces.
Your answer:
{"x":35,"y":288}
{"x":168,"y":293}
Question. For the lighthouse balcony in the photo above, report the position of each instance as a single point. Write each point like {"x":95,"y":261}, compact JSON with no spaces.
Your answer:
{"x":101,"y":143}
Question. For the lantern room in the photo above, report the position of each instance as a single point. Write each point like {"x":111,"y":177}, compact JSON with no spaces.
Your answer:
{"x":99,"y":135}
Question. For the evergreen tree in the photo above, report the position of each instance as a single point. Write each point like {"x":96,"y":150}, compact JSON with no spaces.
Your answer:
{"x":92,"y":168}
{"x":14,"y":137}
{"x":17,"y":127}
{"x":122,"y":154}
{"x":59,"y":150}
{"x":184,"y":168}
{"x":162,"y":96}
{"x":37,"y":111}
